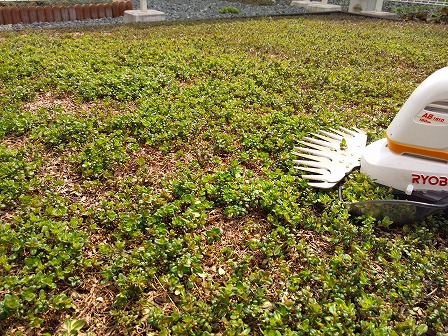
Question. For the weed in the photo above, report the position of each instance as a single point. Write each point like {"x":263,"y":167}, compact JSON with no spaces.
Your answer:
{"x":229,"y":10}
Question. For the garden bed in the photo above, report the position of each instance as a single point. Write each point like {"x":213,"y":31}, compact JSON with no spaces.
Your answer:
{"x":147,"y":184}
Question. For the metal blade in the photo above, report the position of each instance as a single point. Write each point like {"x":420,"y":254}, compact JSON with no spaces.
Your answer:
{"x":399,"y":211}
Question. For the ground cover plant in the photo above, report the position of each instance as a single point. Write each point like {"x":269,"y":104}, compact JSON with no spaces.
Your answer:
{"x":432,"y":14}
{"x":147,"y":183}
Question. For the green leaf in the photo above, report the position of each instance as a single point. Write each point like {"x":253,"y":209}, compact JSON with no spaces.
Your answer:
{"x":72,"y":327}
{"x":11,"y":302}
{"x":32,"y":262}
{"x":421,"y":329}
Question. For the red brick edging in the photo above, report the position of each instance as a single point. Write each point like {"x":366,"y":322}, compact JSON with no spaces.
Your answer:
{"x":13,"y":15}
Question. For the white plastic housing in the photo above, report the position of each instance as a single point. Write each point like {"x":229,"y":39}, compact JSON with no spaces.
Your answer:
{"x":403,"y":172}
{"x":422,"y":122}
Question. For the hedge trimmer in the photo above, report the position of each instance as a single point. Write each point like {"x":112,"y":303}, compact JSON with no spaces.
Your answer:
{"x":412,"y":159}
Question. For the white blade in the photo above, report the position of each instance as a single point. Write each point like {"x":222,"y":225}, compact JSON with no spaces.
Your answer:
{"x":330,"y":155}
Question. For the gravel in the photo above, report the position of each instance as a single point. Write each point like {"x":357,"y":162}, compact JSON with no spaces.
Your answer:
{"x":178,"y":10}
{"x":208,"y":9}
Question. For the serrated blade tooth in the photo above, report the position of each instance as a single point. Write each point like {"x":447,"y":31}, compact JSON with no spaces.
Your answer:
{"x":324,"y":176}
{"x":311,"y":164}
{"x":326,"y":136}
{"x":320,"y":171}
{"x":322,"y":185}
{"x":359,"y":131}
{"x":327,"y":177}
{"x":313,"y":157}
{"x":317,"y":148}
{"x":317,"y":153}
{"x":353,"y":132}
{"x":342,"y":134}
{"x":316,"y":156}
{"x":312,"y":146}
{"x":334,"y":136}
{"x":321,"y":144}
{"x":315,"y":178}
{"x":323,"y":162}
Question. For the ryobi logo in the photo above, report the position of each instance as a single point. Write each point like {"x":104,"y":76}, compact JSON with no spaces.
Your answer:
{"x":430,"y":179}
